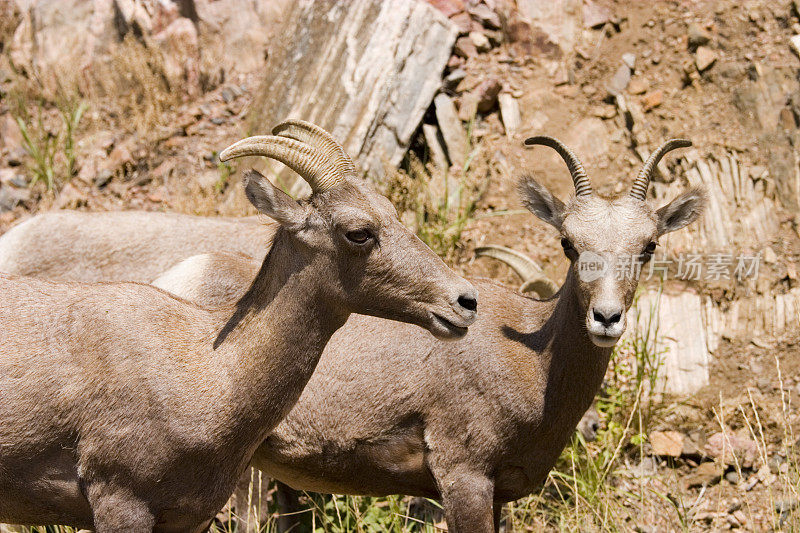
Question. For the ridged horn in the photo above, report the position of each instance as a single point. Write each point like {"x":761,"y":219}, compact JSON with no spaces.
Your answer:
{"x":309,"y":133}
{"x":311,"y":164}
{"x":642,"y":181}
{"x":579,"y":177}
{"x":533,"y":279}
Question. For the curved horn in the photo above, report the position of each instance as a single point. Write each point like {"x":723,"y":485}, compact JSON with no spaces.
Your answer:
{"x":579,"y":178}
{"x":532,"y":277}
{"x":308,"y":162}
{"x":312,"y":134}
{"x":642,"y":181}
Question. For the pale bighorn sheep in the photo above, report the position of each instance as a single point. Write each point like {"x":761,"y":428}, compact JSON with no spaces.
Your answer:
{"x":123,"y":245}
{"x":479,"y":421}
{"x":124,"y":408}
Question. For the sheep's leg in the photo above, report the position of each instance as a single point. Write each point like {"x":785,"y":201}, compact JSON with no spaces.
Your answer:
{"x":288,"y":507}
{"x":468,"y":500}
{"x":119,"y":511}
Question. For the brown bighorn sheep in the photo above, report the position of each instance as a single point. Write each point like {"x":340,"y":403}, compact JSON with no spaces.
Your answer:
{"x":479,"y":421}
{"x":124,"y":408}
{"x":123,"y":245}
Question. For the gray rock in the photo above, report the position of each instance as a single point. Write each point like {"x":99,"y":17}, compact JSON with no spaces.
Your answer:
{"x":629,"y":59}
{"x":619,"y":81}
{"x":103,"y":177}
{"x":480,"y":41}
{"x":364,"y":70}
{"x":697,"y":36}
{"x":485,"y":15}
{"x":10,"y":197}
{"x":509,"y":113}
{"x":704,"y":58}
{"x":437,"y":153}
{"x":454,"y":78}
{"x":455,"y":138}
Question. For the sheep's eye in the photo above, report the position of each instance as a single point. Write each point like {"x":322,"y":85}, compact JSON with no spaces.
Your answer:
{"x":650,"y":248}
{"x":566,"y":245}
{"x":359,"y":236}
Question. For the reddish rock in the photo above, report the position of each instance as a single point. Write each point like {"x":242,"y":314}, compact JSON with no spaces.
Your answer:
{"x":666,"y":443}
{"x":465,"y":48}
{"x":730,"y":448}
{"x":653,"y":99}
{"x":595,"y":15}
{"x":448,"y":7}
{"x":487,"y":93}
{"x":463,"y":22}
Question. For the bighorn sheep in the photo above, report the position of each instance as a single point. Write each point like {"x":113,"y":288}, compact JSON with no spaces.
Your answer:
{"x":479,"y":421}
{"x":123,"y":245}
{"x":124,"y":408}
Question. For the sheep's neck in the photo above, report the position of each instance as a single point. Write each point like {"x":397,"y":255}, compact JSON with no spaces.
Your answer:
{"x":573,"y":362}
{"x":275,"y":338}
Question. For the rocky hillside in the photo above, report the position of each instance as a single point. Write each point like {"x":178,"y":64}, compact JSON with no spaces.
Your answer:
{"x":123,"y":104}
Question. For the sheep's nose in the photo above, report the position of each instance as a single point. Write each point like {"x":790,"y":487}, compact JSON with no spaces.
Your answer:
{"x":468,"y":302}
{"x":607,"y":317}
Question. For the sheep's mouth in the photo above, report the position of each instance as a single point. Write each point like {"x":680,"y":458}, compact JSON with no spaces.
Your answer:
{"x":604,"y":341}
{"x":444,"y":328}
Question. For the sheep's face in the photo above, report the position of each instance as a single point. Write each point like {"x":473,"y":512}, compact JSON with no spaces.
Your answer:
{"x":608,"y":242}
{"x":375,"y":265}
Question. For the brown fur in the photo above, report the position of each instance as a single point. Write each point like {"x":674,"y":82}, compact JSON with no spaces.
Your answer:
{"x":475,"y":422}
{"x":127,"y":409}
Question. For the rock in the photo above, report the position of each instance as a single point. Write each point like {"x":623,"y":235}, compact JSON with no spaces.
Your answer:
{"x":364,"y":70}
{"x":704,"y":58}
{"x":770,"y":257}
{"x":682,"y":338}
{"x":604,"y":111}
{"x":730,"y":448}
{"x":487,"y":93}
{"x":784,"y":506}
{"x":486,"y":16}
{"x":180,"y":43}
{"x":589,"y":137}
{"x":465,"y":47}
{"x":10,"y":136}
{"x":653,"y":99}
{"x":103,"y":177}
{"x":448,"y":7}
{"x":732,"y":477}
{"x":454,"y":78}
{"x":10,"y":197}
{"x":704,"y":474}
{"x":455,"y":139}
{"x":559,"y":20}
{"x":794,"y":43}
{"x":619,"y":81}
{"x":464,"y":23}
{"x":467,"y":107}
{"x":637,"y":86}
{"x":666,"y":443}
{"x":595,"y":15}
{"x":509,"y":113}
{"x":480,"y":41}
{"x":697,"y":36}
{"x":435,"y":147}
{"x":629,"y":59}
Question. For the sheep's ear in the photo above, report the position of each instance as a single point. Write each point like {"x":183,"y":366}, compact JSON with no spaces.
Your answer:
{"x":273,"y":202}
{"x":681,"y":211}
{"x":541,"y":202}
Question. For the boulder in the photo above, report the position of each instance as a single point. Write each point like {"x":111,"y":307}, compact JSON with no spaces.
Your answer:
{"x":365,"y":70}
